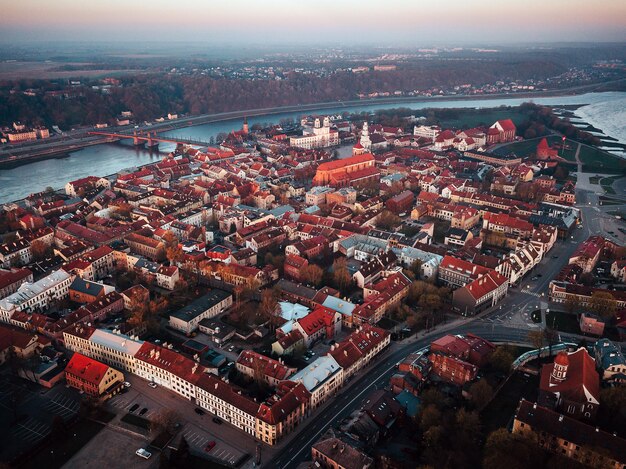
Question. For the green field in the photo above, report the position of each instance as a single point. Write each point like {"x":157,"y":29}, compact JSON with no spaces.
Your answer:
{"x":527,"y":148}
{"x":467,"y":118}
{"x":607,"y":183}
{"x":593,"y":159}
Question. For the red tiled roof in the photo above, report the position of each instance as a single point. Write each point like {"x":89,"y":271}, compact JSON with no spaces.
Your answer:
{"x":337,"y":164}
{"x":86,"y":368}
{"x":317,"y":319}
{"x":581,"y":382}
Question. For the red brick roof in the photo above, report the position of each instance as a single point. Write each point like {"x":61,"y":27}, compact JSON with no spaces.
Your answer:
{"x":170,"y":361}
{"x":86,"y":368}
{"x":317,"y":319}
{"x":581,"y":382}
{"x":288,"y":397}
{"x":9,"y":277}
{"x":269,"y":367}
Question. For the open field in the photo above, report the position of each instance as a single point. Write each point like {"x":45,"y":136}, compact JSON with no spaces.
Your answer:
{"x":593,"y":159}
{"x":607,"y":183}
{"x":467,"y":118}
{"x":52,"y":70}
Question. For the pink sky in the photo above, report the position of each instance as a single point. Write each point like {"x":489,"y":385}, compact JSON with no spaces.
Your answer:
{"x":336,"y":20}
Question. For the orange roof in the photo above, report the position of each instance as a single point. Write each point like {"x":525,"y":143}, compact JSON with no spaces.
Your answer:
{"x":337,"y":164}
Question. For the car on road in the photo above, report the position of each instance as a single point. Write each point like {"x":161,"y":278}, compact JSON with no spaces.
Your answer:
{"x":199,"y":411}
{"x":217,"y":420}
{"x":534,"y":278}
{"x":209,"y":446}
{"x":142,"y":453}
{"x":153,"y":385}
{"x":143,"y":411}
{"x":133,"y":408}
{"x":126,"y":384}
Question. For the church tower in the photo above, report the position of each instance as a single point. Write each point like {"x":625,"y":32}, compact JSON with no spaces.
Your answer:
{"x":559,"y":372}
{"x":245,"y":125}
{"x":365,"y":141}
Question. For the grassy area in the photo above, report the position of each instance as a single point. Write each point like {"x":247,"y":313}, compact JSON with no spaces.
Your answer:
{"x":593,"y":159}
{"x":596,"y":160}
{"x":562,"y":321}
{"x":594,"y":180}
{"x":536,"y":316}
{"x":58,"y":451}
{"x":136,"y":420}
{"x":466,"y":118}
{"x":499,"y":412}
{"x":607,"y":183}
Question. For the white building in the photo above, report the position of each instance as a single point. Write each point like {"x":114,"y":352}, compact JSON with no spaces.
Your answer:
{"x":320,"y":136}
{"x":322,"y":378}
{"x":429,"y":262}
{"x":30,"y":297}
{"x":426,"y":131}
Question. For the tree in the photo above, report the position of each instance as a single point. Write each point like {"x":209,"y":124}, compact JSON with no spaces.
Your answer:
{"x":481,"y":393}
{"x":164,"y":420}
{"x":572,"y":304}
{"x":603,"y":304}
{"x":173,"y":250}
{"x":312,"y":274}
{"x":430,"y":417}
{"x":511,"y":450}
{"x":341,"y":274}
{"x":388,"y":220}
{"x":502,"y":359}
{"x":468,"y":422}
{"x":269,"y":306}
{"x":537,"y":338}
{"x":40,"y":250}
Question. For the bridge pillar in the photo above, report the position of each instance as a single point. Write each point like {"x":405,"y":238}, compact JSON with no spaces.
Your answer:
{"x":151,"y":143}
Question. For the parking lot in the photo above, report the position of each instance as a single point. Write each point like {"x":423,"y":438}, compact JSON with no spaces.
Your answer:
{"x":197,"y":429}
{"x":27,"y":411}
{"x":198,"y":439}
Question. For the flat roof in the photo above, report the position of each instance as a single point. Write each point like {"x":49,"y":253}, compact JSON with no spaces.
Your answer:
{"x":199,"y":306}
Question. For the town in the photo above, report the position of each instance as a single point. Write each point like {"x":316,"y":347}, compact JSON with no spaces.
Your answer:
{"x":322,"y":291}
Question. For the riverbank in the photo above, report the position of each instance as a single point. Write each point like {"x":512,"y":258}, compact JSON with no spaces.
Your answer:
{"x":80,"y":139}
{"x":22,"y":180}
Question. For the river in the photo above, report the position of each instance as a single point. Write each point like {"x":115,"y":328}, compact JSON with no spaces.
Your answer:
{"x":101,"y":160}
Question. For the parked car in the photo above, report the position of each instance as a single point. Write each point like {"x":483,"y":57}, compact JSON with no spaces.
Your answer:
{"x":142,"y":453}
{"x":217,"y":420}
{"x":126,"y":384}
{"x":134,"y":408}
{"x":153,"y":385}
{"x":143,"y":411}
{"x":199,"y":411}
{"x":209,"y":446}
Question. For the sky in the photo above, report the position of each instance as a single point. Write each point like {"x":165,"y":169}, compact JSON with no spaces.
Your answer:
{"x":384,"y":22}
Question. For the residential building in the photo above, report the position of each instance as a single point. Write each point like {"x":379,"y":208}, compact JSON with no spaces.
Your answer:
{"x":31,"y":297}
{"x":569,"y":437}
{"x":92,"y":377}
{"x":12,"y":279}
{"x":333,"y":453}
{"x":322,"y":378}
{"x":262,"y":368}
{"x":208,"y":306}
{"x":610,"y":361}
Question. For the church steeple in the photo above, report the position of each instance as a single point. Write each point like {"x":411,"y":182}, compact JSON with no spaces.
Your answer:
{"x":245,"y":125}
{"x":365,"y":141}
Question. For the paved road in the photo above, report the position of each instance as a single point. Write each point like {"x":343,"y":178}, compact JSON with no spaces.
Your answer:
{"x":376,"y":377}
{"x":509,"y":321}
